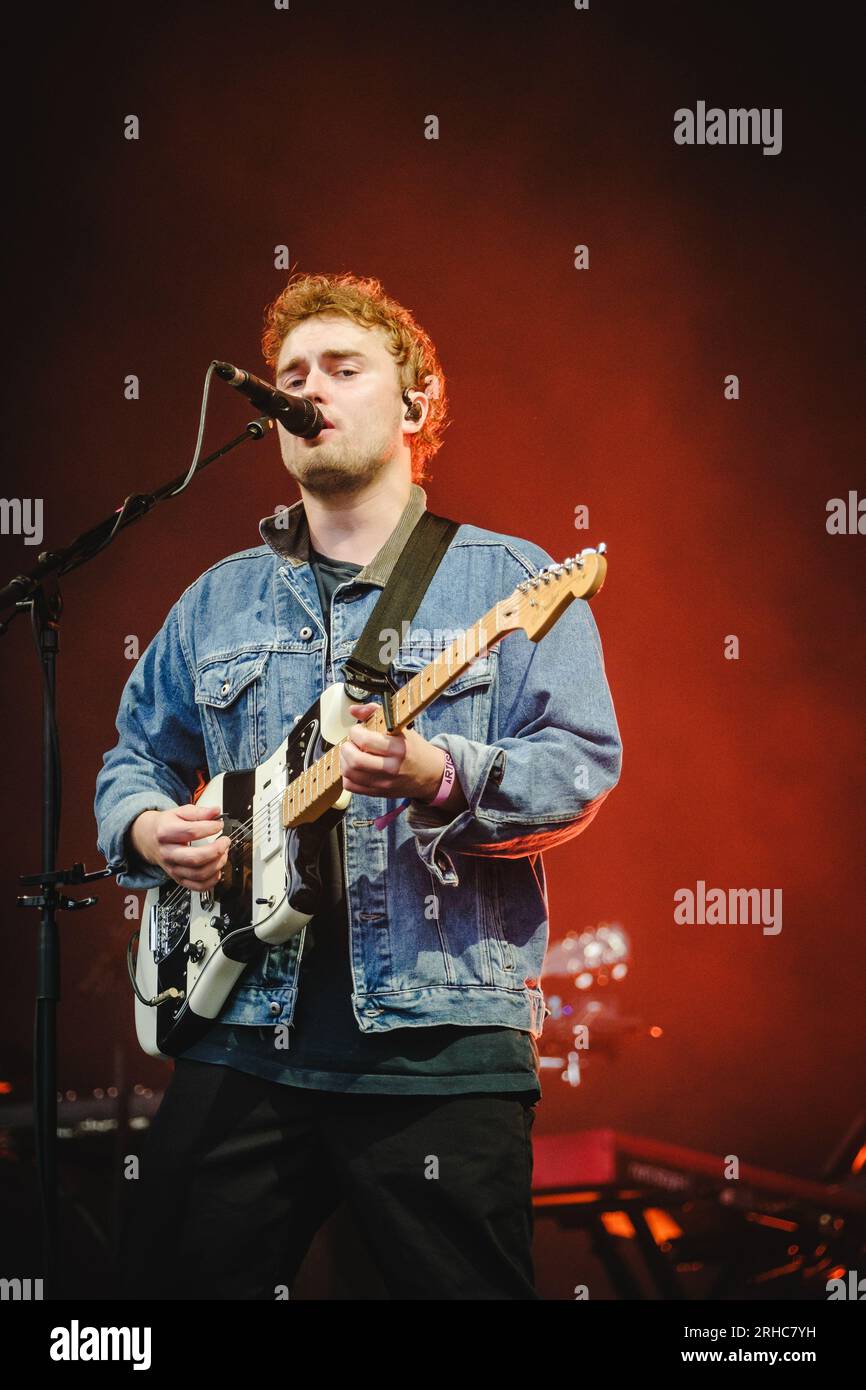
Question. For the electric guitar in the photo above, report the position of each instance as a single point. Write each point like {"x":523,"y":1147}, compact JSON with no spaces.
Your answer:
{"x":192,"y":946}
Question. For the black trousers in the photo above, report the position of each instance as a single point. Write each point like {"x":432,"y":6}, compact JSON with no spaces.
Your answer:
{"x":238,"y":1173}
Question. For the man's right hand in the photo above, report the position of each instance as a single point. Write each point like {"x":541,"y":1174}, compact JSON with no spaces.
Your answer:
{"x":163,"y":838}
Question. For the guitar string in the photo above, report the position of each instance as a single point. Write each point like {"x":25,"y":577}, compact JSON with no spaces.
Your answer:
{"x":239,"y":834}
{"x":261,"y":814}
{"x":237,"y":837}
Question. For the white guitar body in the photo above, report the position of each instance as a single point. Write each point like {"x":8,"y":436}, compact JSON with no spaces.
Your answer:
{"x":185,"y":944}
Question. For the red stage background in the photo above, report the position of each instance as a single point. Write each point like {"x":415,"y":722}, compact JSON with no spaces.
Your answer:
{"x":601,"y":387}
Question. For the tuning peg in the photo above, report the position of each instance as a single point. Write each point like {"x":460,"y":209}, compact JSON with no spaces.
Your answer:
{"x":602,"y":548}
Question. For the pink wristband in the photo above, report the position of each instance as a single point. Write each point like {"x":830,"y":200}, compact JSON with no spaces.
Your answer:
{"x":446,"y":784}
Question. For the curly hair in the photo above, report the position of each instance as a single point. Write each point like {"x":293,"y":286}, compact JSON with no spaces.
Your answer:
{"x":366,"y":303}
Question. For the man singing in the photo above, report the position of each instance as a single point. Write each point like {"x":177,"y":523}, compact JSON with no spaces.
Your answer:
{"x":411,"y":1002}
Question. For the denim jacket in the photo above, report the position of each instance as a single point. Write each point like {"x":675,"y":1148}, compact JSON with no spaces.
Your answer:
{"x":448,"y":917}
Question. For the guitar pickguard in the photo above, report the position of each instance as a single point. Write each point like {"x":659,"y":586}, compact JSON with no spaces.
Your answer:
{"x":326,"y":722}
{"x":198,"y":944}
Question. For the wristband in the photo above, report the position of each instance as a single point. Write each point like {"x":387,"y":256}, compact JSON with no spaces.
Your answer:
{"x":445,"y":786}
{"x":448,"y":775}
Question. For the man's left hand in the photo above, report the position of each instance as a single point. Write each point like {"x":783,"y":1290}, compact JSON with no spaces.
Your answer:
{"x":393,"y":765}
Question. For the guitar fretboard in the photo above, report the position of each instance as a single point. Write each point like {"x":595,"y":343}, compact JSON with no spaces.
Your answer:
{"x":313,"y":791}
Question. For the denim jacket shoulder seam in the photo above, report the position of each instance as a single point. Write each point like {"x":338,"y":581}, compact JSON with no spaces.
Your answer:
{"x":181,"y":634}
{"x":255,"y":552}
{"x":470,"y":542}
{"x":263,"y":552}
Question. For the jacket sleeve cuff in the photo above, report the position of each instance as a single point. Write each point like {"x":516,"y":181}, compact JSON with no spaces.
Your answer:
{"x":476,"y":765}
{"x":131,"y":870}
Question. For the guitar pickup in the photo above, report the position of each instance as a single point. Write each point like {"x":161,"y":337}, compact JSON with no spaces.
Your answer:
{"x":270,"y":825}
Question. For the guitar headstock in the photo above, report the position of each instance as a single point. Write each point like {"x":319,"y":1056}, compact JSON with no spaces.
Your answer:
{"x":536,"y":604}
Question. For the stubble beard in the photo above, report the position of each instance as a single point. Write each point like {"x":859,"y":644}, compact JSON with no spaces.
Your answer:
{"x":346,"y":469}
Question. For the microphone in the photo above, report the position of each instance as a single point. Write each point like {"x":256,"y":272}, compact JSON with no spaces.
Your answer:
{"x":294,"y":413}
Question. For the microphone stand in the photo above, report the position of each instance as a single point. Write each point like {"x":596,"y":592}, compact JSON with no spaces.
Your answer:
{"x":38,"y":592}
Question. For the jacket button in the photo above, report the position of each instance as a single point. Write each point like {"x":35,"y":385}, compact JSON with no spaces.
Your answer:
{"x":306,"y":633}
{"x":274,"y":1007}
{"x":226,"y":688}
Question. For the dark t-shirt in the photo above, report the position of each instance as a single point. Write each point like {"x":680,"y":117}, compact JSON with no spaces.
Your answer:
{"x":327,"y":1050}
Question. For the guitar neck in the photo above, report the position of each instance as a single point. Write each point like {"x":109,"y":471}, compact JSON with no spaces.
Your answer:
{"x":425,"y":687}
{"x":311,"y":793}
{"x":534,"y":606}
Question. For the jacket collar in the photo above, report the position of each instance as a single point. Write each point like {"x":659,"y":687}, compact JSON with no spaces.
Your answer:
{"x":287,"y":534}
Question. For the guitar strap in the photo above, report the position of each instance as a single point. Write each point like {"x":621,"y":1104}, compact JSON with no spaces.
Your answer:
{"x":366,"y":673}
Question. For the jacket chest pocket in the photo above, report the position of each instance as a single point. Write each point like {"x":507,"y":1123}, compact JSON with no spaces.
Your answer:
{"x":466,"y":707}
{"x":230,"y":694}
